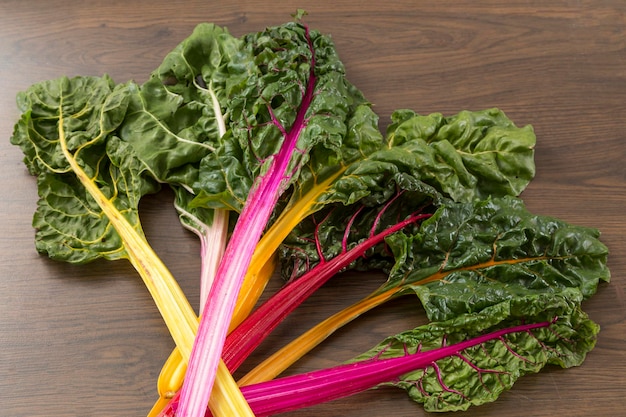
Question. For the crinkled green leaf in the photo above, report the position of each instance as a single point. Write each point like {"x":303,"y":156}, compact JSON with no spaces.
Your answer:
{"x":181,"y":113}
{"x":265,"y":109}
{"x":80,"y":114}
{"x":91,"y":107}
{"x":177,"y":117}
{"x":471,"y":155}
{"x":478,"y":375}
{"x":459,"y":156}
{"x":70,"y":225}
{"x":472,"y":255}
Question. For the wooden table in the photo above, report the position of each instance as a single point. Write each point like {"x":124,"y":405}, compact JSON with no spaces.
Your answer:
{"x":88,"y":341}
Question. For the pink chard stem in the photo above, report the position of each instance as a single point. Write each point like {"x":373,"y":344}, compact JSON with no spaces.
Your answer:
{"x":213,"y":328}
{"x":305,"y":390}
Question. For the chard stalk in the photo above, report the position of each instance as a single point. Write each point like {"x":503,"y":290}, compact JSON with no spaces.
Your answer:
{"x":226,"y":398}
{"x":213,"y":328}
{"x":316,"y":387}
{"x":171,"y":302}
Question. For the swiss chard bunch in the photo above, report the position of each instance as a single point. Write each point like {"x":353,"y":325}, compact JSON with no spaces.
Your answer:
{"x":272,"y":152}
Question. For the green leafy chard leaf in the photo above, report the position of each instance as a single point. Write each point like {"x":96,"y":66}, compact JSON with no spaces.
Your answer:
{"x":264,"y":109}
{"x":471,"y":155}
{"x":459,"y":156}
{"x":478,"y":375}
{"x":71,"y":226}
{"x":468,"y":256}
{"x":179,"y":115}
{"x":67,"y":125}
{"x":90,"y":184}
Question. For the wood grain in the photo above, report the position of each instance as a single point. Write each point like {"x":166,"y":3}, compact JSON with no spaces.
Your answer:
{"x":87,"y":340}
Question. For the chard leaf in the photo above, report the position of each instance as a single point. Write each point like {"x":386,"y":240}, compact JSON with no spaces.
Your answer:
{"x":266,"y":108}
{"x":479,"y":374}
{"x":432,"y":151}
{"x":468,"y":156}
{"x":464,"y":157}
{"x":68,"y":123}
{"x":468,"y":256}
{"x":178,"y":116}
{"x":471,"y":155}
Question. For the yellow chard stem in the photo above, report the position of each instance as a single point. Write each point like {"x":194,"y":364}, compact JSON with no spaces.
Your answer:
{"x":171,"y":302}
{"x":169,"y":298}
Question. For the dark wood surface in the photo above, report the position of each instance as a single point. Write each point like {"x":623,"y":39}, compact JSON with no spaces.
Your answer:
{"x":88,"y":341}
